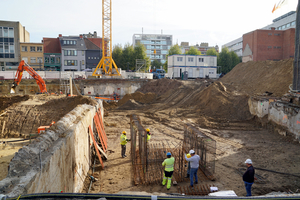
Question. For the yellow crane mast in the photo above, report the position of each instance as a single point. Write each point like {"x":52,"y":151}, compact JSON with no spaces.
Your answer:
{"x":107,"y":62}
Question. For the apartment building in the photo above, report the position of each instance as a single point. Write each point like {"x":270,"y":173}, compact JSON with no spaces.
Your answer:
{"x":11,"y":35}
{"x":72,"y":53}
{"x":52,"y":54}
{"x":32,"y":54}
{"x":203,"y":47}
{"x":93,"y":52}
{"x":157,"y":45}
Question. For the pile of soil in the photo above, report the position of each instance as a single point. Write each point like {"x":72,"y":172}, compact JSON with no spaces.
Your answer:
{"x":255,"y":78}
{"x":25,"y":119}
{"x":219,"y":103}
{"x":131,"y":104}
{"x":5,"y":101}
{"x":160,"y":86}
{"x":110,"y":105}
{"x":139,"y":97}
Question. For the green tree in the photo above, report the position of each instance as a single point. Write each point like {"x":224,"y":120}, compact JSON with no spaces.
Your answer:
{"x":212,"y":52}
{"x":128,"y":57}
{"x":193,"y":51}
{"x":174,"y":50}
{"x":140,"y":53}
{"x":156,"y":64}
{"x":117,"y":54}
{"x":227,"y":60}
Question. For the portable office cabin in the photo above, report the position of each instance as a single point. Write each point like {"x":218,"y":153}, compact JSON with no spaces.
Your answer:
{"x":196,"y":66}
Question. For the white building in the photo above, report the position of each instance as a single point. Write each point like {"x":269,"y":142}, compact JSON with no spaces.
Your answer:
{"x":195,"y":66}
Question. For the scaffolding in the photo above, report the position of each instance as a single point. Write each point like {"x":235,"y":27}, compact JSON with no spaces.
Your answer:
{"x":147,"y":157}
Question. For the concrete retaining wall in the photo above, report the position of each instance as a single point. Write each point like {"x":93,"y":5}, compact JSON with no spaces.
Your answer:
{"x":122,"y":87}
{"x":284,"y":114}
{"x":57,"y":160}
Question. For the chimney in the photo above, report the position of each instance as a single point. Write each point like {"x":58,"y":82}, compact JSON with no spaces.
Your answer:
{"x":95,"y":34}
{"x":272,"y":28}
{"x":60,"y":35}
{"x":81,"y":36}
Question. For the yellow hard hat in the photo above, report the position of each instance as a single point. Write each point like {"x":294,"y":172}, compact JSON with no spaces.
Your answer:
{"x":148,"y":130}
{"x":124,"y":132}
{"x":188,"y":155}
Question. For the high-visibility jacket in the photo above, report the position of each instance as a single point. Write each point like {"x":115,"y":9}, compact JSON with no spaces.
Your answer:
{"x":169,"y":164}
{"x":148,"y":137}
{"x":123,"y":139}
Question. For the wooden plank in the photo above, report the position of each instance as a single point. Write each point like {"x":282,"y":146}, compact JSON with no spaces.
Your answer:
{"x":101,"y":123}
{"x":100,"y":132}
{"x":95,"y":145}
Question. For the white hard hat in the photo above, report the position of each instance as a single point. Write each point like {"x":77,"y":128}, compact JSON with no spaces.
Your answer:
{"x":248,"y":161}
{"x":192,"y":151}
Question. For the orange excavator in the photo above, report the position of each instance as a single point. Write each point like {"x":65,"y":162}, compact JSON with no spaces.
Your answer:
{"x":24,"y":66}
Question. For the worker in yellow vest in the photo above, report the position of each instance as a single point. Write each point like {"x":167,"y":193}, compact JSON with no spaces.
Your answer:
{"x":169,"y":169}
{"x":123,"y":142}
{"x":148,"y":134}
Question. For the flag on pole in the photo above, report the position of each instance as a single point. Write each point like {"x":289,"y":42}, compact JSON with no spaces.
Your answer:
{"x":280,"y":4}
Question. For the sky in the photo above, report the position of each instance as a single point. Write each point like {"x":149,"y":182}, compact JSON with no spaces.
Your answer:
{"x":216,"y":22}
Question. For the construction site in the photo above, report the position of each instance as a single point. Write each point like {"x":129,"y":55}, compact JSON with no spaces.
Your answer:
{"x":248,"y":113}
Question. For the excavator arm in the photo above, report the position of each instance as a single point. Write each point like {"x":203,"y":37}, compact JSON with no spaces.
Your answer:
{"x":24,"y":66}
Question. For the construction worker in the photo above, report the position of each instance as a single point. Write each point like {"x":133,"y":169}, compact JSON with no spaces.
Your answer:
{"x":169,"y":168}
{"x":148,"y":134}
{"x":123,"y":143}
{"x":248,"y":177}
{"x":194,"y":163}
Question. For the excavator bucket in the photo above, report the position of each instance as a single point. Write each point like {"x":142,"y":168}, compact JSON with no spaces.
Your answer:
{"x":13,"y":88}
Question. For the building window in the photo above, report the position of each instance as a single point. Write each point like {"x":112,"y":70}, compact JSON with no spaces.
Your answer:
{"x":82,"y":62}
{"x":11,"y":32}
{"x":25,"y":59}
{"x":70,"y":52}
{"x":190,"y":59}
{"x":46,"y":59}
{"x":269,"y":47}
{"x":40,"y":59}
{"x":24,"y":48}
{"x":57,"y":60}
{"x":82,"y":53}
{"x":293,"y":23}
{"x":201,"y":59}
{"x":1,"y":48}
{"x":70,"y":62}
{"x":277,"y":34}
{"x":211,"y":71}
{"x":39,"y":49}
{"x":32,"y":60}
{"x":52,"y":60}
{"x":11,"y":48}
{"x":32,"y":49}
{"x":269,"y":33}
{"x":70,"y":42}
{"x":179,"y":59}
{"x":89,"y":58}
{"x":6,"y":48}
{"x":5,"y":32}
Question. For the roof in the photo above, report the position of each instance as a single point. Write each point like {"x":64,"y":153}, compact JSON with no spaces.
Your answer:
{"x":96,"y":41}
{"x":90,"y":45}
{"x":51,"y":45}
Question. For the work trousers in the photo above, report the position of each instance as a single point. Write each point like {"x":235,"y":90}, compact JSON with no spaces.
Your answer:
{"x":188,"y":169}
{"x":167,"y":176}
{"x":123,"y":148}
{"x":193,"y":172}
{"x":248,"y":188}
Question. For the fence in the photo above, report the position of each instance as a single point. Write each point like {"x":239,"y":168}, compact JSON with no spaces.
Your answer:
{"x":147,"y":157}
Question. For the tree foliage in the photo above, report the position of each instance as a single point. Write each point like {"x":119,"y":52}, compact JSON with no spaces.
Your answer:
{"x":126,"y":56}
{"x":227,"y":60}
{"x":212,"y":52}
{"x":156,"y":64}
{"x":193,"y":51}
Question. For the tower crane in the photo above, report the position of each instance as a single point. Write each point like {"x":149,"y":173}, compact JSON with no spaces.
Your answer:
{"x":106,"y":63}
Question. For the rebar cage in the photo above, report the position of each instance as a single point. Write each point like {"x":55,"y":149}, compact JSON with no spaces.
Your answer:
{"x":147,"y":157}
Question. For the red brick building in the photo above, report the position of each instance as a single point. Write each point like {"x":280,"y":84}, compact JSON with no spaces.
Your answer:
{"x":260,"y":45}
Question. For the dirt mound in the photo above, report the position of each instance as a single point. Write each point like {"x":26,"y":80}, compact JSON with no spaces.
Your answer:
{"x":139,"y":97}
{"x":25,"y":119}
{"x":131,"y":104}
{"x":5,"y":101}
{"x":160,"y":86}
{"x":217,"y":102}
{"x":258,"y":77}
{"x":110,"y":105}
